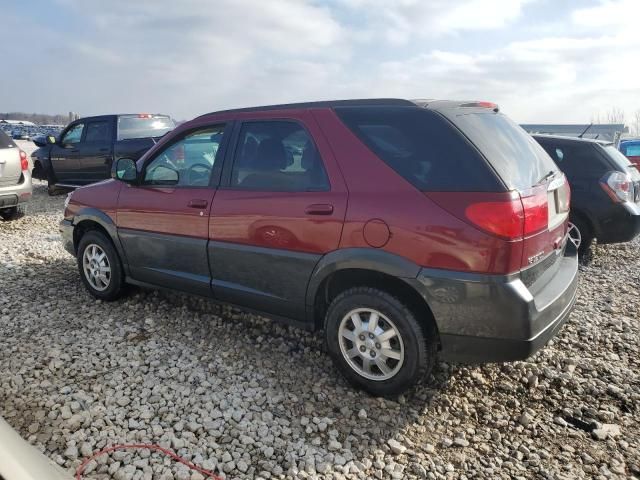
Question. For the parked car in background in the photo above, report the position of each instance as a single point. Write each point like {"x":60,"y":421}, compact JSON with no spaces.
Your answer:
{"x":86,"y":148}
{"x":605,"y":189}
{"x":15,"y":178}
{"x":399,"y":228}
{"x":20,"y":134}
{"x":631,"y":149}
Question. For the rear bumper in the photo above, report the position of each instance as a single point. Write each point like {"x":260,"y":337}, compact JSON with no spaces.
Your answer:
{"x":66,"y":230}
{"x":13,"y":195}
{"x":489,"y":318}
{"x":624,"y":226}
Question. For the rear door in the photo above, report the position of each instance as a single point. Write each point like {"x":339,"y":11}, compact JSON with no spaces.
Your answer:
{"x":281,"y":208}
{"x":164,"y":225}
{"x":96,"y":150}
{"x":65,"y":154}
{"x":10,"y":168}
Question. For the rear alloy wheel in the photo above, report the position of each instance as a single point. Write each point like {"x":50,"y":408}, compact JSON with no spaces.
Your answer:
{"x":376,"y":341}
{"x":99,"y":266}
{"x":580,"y":235}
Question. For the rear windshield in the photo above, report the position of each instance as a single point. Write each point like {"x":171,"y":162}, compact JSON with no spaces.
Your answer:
{"x":421,"y":146}
{"x":519,"y":160}
{"x":5,"y":141}
{"x":139,"y":126}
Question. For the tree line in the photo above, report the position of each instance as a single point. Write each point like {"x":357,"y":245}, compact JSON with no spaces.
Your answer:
{"x":37,"y":118}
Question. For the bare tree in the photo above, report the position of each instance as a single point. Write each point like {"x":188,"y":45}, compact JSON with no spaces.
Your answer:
{"x":615,"y":115}
{"x":636,"y":123}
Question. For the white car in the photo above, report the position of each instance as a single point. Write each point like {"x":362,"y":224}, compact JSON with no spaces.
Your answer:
{"x":15,"y":178}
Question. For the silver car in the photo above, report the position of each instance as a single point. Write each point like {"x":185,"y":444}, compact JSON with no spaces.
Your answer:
{"x":15,"y":179}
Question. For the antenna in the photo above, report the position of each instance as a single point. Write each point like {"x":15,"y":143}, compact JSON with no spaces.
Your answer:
{"x":585,"y":130}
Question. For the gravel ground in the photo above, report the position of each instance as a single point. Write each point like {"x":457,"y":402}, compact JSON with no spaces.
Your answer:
{"x":252,"y":399}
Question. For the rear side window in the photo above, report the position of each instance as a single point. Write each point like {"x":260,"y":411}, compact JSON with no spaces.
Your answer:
{"x":422,"y":147}
{"x":277,"y":156}
{"x":519,"y":160}
{"x":6,"y":141}
{"x":576,"y":159}
{"x":99,"y":131}
{"x":143,"y":126}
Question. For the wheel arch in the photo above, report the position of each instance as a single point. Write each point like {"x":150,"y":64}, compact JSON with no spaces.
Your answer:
{"x":343,"y":269}
{"x":89,"y":219}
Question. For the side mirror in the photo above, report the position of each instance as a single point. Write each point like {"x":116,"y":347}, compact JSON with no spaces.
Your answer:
{"x":124,"y":170}
{"x":51,"y":140}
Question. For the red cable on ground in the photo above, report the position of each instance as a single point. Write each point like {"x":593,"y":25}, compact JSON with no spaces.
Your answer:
{"x":158,"y":448}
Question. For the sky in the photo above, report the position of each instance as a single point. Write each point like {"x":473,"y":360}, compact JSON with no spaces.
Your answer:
{"x":542,"y":61}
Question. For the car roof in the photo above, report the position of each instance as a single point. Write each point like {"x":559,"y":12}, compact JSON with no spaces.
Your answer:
{"x":571,"y":139}
{"x":362,"y":102}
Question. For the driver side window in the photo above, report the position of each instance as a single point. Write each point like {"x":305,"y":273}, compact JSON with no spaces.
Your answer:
{"x":73,"y":135}
{"x":191,"y":160}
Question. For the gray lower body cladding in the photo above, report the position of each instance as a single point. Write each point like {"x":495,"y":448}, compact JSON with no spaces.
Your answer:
{"x":491,"y":318}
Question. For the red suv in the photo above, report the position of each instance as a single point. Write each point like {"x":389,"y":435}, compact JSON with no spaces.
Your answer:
{"x":402,"y":229}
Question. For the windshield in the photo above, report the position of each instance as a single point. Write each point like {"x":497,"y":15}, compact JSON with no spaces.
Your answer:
{"x":519,"y":160}
{"x":143,"y":126}
{"x":621,"y":161}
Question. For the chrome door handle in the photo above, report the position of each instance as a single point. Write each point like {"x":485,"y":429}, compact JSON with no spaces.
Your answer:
{"x":319,"y":209}
{"x":198,"y":203}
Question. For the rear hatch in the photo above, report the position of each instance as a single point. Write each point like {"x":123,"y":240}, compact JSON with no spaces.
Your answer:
{"x":540,"y":192}
{"x":10,"y":166}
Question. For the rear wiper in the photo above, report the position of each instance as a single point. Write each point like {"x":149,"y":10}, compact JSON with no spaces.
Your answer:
{"x":548,"y":175}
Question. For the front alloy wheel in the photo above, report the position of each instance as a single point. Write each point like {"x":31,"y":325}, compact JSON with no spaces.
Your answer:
{"x":99,"y":266}
{"x":97,"y":269}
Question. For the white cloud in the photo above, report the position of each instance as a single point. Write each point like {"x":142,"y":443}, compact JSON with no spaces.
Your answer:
{"x":185,"y":58}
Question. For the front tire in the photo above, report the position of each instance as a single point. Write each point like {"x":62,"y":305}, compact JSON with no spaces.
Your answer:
{"x":376,"y":341}
{"x":99,"y":266}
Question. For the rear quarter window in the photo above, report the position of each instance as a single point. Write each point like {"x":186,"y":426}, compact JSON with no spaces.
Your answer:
{"x":6,"y":141}
{"x":421,"y":146}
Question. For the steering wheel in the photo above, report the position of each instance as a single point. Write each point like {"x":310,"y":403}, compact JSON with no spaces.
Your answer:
{"x":201,"y":175}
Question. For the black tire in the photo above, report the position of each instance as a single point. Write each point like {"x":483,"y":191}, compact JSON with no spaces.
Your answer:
{"x":586,"y":235}
{"x":12,"y":213}
{"x":115,"y":287}
{"x":419,"y":341}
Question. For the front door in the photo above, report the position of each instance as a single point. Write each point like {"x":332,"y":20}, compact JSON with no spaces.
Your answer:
{"x":65,"y":154}
{"x":281,"y":209}
{"x":163,"y":223}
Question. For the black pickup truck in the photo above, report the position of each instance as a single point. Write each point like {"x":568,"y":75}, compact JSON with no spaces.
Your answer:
{"x":86,"y":148}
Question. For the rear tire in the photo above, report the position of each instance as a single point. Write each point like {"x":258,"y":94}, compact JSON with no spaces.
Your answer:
{"x":383,"y":350}
{"x":99,"y":266}
{"x":12,"y":213}
{"x":579,"y":228}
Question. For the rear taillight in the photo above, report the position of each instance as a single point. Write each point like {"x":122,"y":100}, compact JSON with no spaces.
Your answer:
{"x":618,"y":185}
{"x":564,"y":197}
{"x":536,"y":211}
{"x":504,"y":219}
{"x":512,"y":219}
{"x":24,"y":161}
